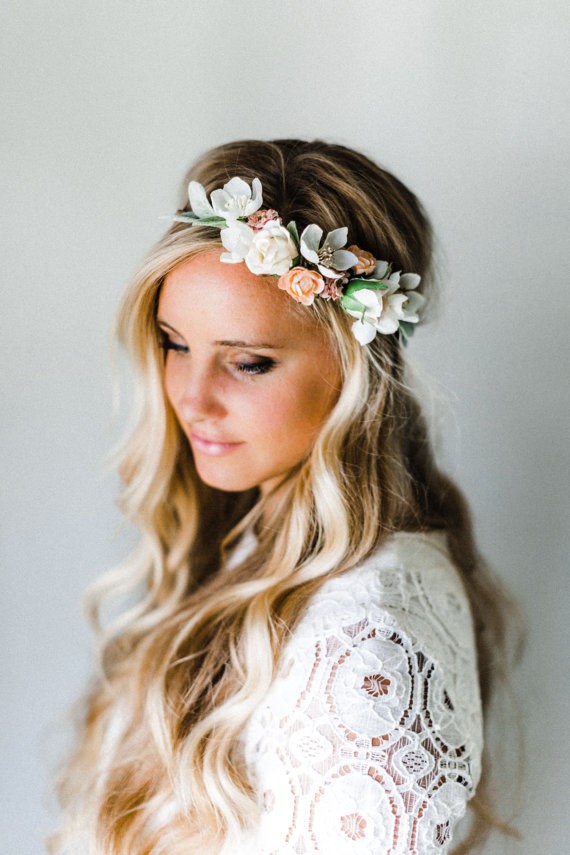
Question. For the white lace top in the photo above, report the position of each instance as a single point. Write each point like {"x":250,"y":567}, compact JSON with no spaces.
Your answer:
{"x":370,"y":739}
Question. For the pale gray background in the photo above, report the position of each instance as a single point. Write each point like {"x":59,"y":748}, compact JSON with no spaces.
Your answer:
{"x":104,"y":105}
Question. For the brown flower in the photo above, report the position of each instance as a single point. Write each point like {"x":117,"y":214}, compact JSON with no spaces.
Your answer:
{"x":302,"y":284}
{"x":366,"y":261}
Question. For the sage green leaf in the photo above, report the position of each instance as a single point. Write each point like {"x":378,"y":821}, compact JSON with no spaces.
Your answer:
{"x":212,"y":222}
{"x":185,"y":217}
{"x":406,"y":329}
{"x":292,"y":229}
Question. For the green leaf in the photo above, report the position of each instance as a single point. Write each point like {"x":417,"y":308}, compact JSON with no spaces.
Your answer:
{"x":350,"y":303}
{"x":371,"y":284}
{"x":213,"y":222}
{"x":193,"y":219}
{"x":406,"y":329}
{"x":292,"y":229}
{"x":185,"y":217}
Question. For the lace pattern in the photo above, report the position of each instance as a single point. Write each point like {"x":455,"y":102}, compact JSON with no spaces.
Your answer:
{"x":370,"y":738}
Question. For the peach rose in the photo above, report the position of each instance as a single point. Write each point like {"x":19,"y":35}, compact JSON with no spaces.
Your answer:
{"x":366,"y":261}
{"x":302,"y":284}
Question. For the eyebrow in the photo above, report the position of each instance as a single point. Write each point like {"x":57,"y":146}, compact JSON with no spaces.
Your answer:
{"x":238,"y":343}
{"x":232,"y":342}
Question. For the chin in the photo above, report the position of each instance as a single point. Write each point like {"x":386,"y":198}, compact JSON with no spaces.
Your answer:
{"x":228,"y":482}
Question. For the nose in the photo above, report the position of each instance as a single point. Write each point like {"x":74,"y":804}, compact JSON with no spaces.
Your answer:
{"x":200,"y":396}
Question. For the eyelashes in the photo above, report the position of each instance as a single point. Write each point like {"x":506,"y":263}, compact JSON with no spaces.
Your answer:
{"x":167,"y":344}
{"x":262,"y":365}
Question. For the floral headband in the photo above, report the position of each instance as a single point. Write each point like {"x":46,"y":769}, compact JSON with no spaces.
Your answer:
{"x":307,"y":266}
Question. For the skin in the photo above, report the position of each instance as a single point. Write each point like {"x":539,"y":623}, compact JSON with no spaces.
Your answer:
{"x":250,"y":377}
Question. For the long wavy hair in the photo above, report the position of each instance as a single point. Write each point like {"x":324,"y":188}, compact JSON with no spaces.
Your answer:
{"x":183,"y":669}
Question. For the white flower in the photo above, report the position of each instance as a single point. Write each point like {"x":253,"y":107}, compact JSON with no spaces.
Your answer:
{"x":236,"y":199}
{"x":382,"y":310}
{"x":237,"y":240}
{"x":403,"y":301}
{"x":329,"y":257}
{"x":366,"y":327}
{"x":198,"y":201}
{"x":272,"y":250}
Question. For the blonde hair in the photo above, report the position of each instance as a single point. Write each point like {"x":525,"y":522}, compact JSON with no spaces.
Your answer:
{"x":183,"y":669}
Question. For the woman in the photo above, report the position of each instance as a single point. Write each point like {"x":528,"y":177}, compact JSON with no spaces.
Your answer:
{"x":309,"y":664}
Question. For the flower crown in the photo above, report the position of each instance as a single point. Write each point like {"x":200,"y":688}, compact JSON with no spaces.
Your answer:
{"x":307,"y":266}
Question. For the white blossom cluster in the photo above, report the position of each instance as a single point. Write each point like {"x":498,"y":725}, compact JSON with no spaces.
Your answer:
{"x":380,"y":300}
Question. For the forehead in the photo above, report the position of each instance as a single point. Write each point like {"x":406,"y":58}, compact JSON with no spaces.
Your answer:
{"x":204,"y":294}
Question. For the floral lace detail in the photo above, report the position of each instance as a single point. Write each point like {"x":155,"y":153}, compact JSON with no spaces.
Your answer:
{"x":370,"y":738}
{"x":376,"y":685}
{"x":353,"y":825}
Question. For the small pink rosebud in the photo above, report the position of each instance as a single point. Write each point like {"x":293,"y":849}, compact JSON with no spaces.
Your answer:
{"x":332,"y":289}
{"x":257,"y":220}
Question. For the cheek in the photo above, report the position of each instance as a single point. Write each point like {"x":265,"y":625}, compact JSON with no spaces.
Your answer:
{"x":291,"y":413}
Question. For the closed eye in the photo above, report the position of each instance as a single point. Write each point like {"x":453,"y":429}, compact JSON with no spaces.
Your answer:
{"x":261,"y":366}
{"x":167,"y":344}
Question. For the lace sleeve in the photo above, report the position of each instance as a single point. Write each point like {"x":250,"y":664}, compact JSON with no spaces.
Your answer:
{"x":370,"y":739}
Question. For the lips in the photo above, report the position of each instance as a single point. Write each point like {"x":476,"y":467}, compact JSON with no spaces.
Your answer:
{"x":215,"y":447}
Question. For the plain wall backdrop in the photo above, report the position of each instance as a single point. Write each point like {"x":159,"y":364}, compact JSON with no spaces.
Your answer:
{"x":104,"y":105}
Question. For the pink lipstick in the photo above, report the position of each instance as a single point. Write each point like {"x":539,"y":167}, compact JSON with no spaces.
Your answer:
{"x":215,"y":448}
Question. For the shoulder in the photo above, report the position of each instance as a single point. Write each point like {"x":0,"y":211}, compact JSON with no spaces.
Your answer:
{"x":373,"y":727}
{"x":395,"y":635}
{"x":398,"y":628}
{"x":409,"y":582}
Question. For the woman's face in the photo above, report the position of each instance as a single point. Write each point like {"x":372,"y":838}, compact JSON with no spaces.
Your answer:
{"x":251,"y":380}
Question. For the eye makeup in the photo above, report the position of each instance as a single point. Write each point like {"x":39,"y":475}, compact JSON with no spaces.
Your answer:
{"x":262,"y":366}
{"x":167,"y":344}
{"x":259,"y":365}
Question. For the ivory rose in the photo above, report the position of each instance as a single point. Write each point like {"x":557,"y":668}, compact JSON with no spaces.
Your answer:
{"x":302,"y":284}
{"x":272,"y":250}
{"x":366,"y":261}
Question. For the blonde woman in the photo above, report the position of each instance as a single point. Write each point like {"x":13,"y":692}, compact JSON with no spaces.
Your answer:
{"x":310,"y":660}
